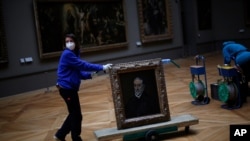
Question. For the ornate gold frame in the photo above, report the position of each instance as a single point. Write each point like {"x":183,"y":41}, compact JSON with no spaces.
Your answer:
{"x":121,"y":76}
{"x":148,"y":19}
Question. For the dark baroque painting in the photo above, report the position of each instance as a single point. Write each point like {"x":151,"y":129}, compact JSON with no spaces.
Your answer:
{"x":155,"y":20}
{"x":99,"y":24}
{"x":139,"y":93}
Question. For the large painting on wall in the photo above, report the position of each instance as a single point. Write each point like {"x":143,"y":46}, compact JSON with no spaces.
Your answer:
{"x":155,"y":20}
{"x":3,"y":48}
{"x":99,"y":24}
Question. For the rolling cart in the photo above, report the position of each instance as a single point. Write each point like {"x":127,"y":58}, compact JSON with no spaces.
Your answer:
{"x":150,"y":132}
{"x":198,"y":88}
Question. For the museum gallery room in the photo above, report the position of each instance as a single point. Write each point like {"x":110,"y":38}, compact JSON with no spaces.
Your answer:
{"x":124,"y":70}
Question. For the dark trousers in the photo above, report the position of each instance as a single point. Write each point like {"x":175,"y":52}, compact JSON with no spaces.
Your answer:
{"x":243,"y":79}
{"x":241,"y":85}
{"x":246,"y":71}
{"x":73,"y":122}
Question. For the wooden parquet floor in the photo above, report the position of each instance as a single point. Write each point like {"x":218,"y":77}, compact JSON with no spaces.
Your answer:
{"x":36,"y":115}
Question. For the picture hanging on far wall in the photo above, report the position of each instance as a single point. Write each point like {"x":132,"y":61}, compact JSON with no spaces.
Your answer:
{"x":99,"y":25}
{"x":3,"y":47}
{"x":139,"y":93}
{"x":155,"y":20}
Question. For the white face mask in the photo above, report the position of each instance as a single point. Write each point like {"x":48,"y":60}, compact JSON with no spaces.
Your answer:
{"x":70,"y":45}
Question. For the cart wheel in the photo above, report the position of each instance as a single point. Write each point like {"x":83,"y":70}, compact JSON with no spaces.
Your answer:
{"x":186,"y":129}
{"x":151,"y":135}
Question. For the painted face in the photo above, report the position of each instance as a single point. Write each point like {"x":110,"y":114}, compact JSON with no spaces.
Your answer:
{"x":70,"y":44}
{"x":138,"y":87}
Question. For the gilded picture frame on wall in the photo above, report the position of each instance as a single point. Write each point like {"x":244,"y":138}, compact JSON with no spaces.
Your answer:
{"x":139,"y":93}
{"x":155,"y":20}
{"x":99,"y":25}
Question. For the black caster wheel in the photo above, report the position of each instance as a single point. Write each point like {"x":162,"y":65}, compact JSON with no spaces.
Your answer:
{"x":151,"y":135}
{"x":206,"y":100}
{"x":187,"y":129}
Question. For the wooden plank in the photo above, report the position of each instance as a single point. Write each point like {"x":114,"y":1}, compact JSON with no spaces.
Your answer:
{"x":179,"y":121}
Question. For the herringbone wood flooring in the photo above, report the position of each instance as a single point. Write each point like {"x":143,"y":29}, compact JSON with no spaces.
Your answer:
{"x":36,"y":115}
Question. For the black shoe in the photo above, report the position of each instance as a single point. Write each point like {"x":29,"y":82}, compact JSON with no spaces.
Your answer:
{"x":58,"y":139}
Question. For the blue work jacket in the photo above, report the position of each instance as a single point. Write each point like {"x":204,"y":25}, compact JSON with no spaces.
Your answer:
{"x":236,"y":52}
{"x":72,"y":69}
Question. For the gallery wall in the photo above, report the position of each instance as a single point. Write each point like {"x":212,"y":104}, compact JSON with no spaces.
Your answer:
{"x":22,"y":42}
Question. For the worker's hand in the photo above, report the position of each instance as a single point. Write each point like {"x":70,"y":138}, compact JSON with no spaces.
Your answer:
{"x":238,"y":68}
{"x":107,"y":67}
{"x":196,"y":57}
{"x":94,"y":74}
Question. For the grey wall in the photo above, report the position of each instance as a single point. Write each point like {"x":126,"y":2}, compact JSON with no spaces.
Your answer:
{"x":22,"y":42}
{"x":228,"y":17}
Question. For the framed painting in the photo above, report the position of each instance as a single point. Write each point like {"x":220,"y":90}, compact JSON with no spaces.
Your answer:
{"x":155,"y":20}
{"x":98,"y":24}
{"x":3,"y":48}
{"x":139,"y":93}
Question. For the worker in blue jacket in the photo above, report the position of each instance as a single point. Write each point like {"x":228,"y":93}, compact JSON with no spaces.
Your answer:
{"x":241,"y":57}
{"x":71,"y":70}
